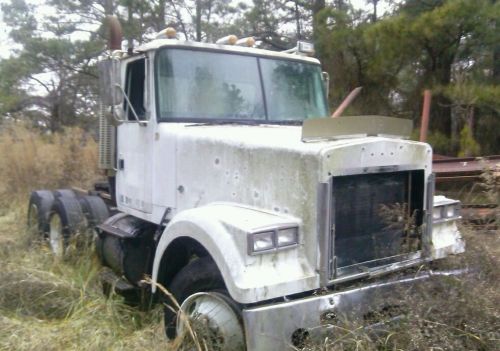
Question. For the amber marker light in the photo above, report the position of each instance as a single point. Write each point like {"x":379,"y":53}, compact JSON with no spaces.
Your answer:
{"x":227,"y":40}
{"x":169,"y":33}
{"x":248,"y":41}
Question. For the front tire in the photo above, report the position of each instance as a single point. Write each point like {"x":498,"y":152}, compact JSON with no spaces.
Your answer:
{"x":199,"y":276}
{"x":215,"y":319}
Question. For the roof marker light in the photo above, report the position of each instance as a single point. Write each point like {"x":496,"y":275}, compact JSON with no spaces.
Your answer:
{"x":305,"y":47}
{"x":167,"y":33}
{"x":302,"y":48}
{"x":248,"y":41}
{"x":227,"y":40}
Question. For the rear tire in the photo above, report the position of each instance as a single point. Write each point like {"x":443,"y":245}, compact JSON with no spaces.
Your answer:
{"x":66,"y":219}
{"x":64,"y":193}
{"x":40,"y":203}
{"x":95,"y":209}
{"x":201,"y":275}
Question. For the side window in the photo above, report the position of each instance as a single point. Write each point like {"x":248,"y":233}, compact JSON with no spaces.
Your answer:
{"x":134,"y":87}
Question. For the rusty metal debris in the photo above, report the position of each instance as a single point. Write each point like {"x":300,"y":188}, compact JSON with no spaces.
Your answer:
{"x":451,"y":170}
{"x":465,"y":168}
{"x":425,"y":115}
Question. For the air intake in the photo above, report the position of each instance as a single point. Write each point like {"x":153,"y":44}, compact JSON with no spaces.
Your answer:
{"x":106,"y":142}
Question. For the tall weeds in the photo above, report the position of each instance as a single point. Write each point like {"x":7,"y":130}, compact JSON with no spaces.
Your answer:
{"x":45,"y":303}
{"x":32,"y":160}
{"x":50,"y":304}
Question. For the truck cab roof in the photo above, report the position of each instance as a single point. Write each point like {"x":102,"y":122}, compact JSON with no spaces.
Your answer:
{"x":242,"y":50}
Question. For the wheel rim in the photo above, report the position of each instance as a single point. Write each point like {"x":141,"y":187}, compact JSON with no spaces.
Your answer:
{"x":213,"y":318}
{"x":56,"y":237}
{"x":33,"y":218}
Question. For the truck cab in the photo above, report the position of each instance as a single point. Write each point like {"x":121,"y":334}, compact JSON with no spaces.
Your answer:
{"x":237,"y":193}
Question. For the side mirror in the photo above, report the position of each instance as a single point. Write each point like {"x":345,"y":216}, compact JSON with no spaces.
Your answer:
{"x":109,"y":82}
{"x":326,"y":83}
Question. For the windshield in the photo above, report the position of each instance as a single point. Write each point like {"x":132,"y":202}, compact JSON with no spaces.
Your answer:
{"x":201,"y":85}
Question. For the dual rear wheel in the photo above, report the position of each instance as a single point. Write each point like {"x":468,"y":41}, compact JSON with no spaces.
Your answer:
{"x":61,"y":215}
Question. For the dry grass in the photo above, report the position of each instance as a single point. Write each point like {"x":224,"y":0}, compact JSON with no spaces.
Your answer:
{"x":450,"y":314}
{"x":48,"y":304}
{"x":32,"y":160}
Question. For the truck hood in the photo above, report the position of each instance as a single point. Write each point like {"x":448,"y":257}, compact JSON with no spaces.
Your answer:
{"x":269,"y":166}
{"x":273,"y":137}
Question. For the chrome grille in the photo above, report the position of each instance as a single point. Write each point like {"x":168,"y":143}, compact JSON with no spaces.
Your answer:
{"x":375,"y":220}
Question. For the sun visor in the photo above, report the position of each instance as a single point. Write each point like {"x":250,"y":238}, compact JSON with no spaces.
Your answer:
{"x":356,"y":127}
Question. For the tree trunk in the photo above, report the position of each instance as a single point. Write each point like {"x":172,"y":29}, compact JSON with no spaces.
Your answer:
{"x":374,"y":15}
{"x":318,"y":5}
{"x":339,"y":5}
{"x":297,"y":19}
{"x":130,"y":38}
{"x":198,"y":20}
{"x":160,"y":23}
{"x":496,"y":57}
{"x":109,"y":8}
{"x":439,"y":74}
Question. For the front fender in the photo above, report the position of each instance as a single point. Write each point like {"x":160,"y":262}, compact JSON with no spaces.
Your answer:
{"x":222,"y":228}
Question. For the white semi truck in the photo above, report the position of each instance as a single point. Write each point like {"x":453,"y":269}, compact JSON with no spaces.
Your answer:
{"x":232,"y":188}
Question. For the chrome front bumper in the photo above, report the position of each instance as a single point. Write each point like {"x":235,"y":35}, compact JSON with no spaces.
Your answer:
{"x":273,"y":327}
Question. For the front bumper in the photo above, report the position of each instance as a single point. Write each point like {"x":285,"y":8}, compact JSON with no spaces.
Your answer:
{"x":276,"y":326}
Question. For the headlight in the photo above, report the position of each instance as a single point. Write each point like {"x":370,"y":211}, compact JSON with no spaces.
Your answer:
{"x":271,"y":240}
{"x":287,"y":237}
{"x":437,"y":213}
{"x":263,"y":241}
{"x":447,"y":211}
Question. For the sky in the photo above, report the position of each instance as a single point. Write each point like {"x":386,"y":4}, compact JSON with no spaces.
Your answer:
{"x":6,"y":45}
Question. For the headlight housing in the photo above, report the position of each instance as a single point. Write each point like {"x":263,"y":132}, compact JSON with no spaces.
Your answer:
{"x":446,"y":210}
{"x":272,"y":240}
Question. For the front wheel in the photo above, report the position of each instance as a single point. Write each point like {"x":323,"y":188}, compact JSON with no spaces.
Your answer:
{"x":214,"y":319}
{"x":213,"y":316}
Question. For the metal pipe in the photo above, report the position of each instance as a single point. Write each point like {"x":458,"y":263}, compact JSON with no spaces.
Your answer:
{"x":347,"y":101}
{"x":115,"y":33}
{"x":424,"y":127}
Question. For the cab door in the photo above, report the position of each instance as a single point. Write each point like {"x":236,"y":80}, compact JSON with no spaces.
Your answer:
{"x":134,"y":141}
